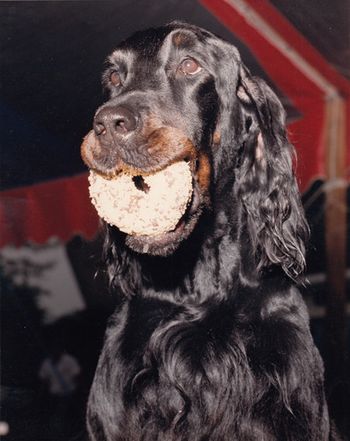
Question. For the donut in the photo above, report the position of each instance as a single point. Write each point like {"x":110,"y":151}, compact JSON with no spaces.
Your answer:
{"x":144,"y":205}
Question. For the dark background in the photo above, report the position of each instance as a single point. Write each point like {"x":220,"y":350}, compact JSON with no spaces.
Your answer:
{"x":52,"y":54}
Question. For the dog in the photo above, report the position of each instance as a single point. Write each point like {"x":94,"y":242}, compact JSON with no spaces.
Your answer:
{"x":210,"y":339}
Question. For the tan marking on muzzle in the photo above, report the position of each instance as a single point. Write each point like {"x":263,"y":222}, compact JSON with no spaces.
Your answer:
{"x":165,"y":146}
{"x":90,"y":149}
{"x":171,"y":144}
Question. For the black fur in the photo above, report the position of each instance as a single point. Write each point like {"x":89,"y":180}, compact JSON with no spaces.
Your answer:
{"x":211,"y":338}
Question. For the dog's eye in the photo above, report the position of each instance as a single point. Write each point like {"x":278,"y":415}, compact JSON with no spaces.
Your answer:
{"x":115,"y":78}
{"x":189,"y":66}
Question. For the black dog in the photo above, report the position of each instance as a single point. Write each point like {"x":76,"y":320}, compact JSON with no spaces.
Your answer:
{"x":211,"y":338}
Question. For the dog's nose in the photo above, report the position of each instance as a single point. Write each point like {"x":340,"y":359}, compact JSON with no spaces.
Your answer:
{"x":114,"y":120}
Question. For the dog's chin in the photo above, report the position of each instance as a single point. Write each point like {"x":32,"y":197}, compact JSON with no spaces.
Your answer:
{"x":163,"y":244}
{"x":167,"y":243}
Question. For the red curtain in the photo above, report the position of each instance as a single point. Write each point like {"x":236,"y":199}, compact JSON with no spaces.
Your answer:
{"x":59,"y":208}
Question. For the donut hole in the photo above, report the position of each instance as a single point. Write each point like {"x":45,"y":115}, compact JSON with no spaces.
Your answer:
{"x":140,"y":184}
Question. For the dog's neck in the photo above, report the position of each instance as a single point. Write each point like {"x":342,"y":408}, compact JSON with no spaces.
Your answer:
{"x":207,"y":267}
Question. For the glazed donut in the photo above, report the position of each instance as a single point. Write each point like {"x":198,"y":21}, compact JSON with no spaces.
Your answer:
{"x":146,"y":204}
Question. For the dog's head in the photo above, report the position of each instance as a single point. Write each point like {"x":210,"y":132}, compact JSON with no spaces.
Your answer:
{"x":179,"y":92}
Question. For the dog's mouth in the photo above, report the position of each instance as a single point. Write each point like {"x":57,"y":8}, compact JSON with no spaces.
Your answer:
{"x":157,"y":210}
{"x":167,"y":242}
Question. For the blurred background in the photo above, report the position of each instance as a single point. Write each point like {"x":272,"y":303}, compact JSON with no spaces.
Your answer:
{"x":53,"y":307}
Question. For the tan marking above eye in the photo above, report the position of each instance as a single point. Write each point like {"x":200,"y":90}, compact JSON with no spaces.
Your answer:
{"x":115,"y":78}
{"x":182,"y":39}
{"x":189,"y":66}
{"x":178,"y":39}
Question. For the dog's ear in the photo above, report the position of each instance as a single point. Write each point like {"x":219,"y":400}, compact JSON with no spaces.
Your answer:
{"x":225,"y":70}
{"x":265,"y":181}
{"x":121,"y":269}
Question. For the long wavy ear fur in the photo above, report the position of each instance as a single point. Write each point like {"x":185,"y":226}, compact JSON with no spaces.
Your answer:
{"x":266,"y":183}
{"x":122,"y":269}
